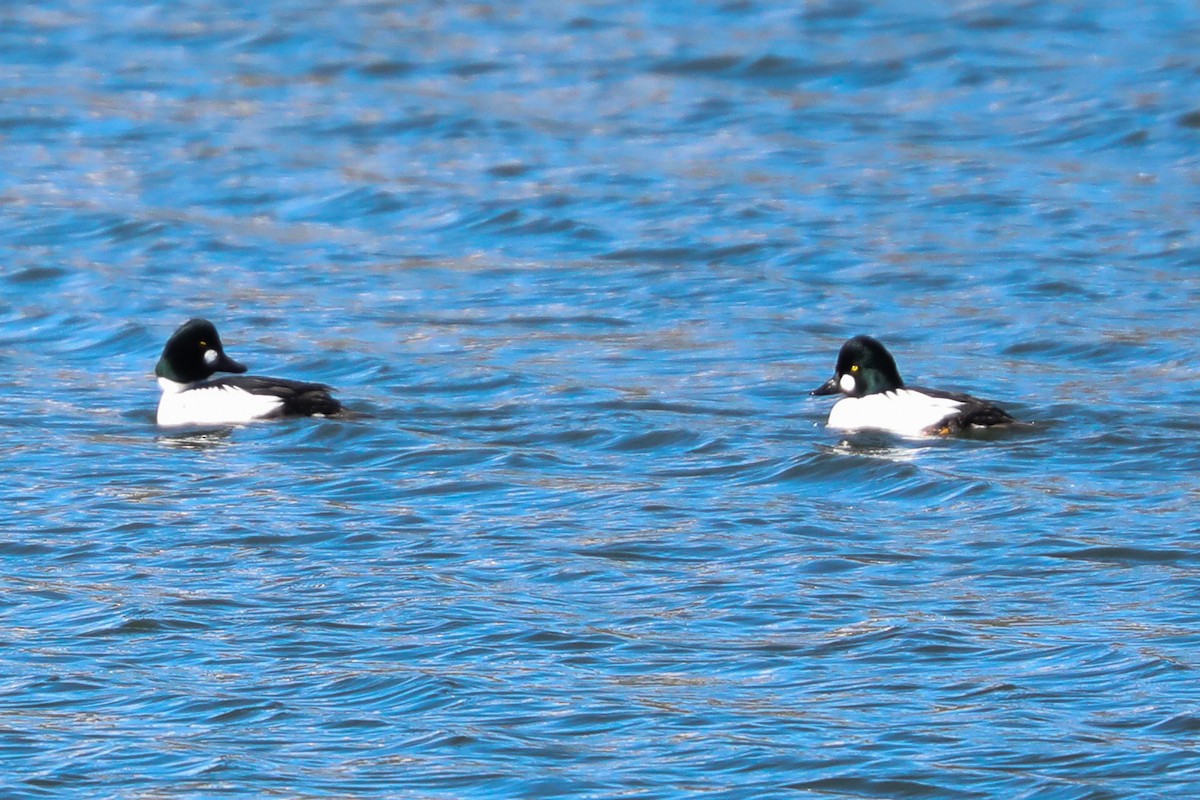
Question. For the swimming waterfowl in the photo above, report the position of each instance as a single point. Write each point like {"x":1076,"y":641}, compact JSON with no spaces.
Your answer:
{"x":191,"y":396}
{"x":876,"y":398}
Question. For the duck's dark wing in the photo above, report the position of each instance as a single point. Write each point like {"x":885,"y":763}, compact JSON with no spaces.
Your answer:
{"x":972,"y":412}
{"x":298,"y":398}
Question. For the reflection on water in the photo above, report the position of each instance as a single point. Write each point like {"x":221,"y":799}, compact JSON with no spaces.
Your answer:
{"x":871,"y":445}
{"x":196,"y":439}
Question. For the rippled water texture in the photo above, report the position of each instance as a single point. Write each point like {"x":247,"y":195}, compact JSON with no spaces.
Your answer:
{"x":575,"y":267}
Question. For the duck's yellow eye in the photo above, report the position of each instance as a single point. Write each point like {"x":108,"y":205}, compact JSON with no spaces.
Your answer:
{"x":854,"y":368}
{"x":205,"y":344}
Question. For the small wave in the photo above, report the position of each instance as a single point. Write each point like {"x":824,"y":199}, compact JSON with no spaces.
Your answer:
{"x":1132,"y":556}
{"x":515,"y":222}
{"x":386,"y":68}
{"x":650,"y":441}
{"x":767,"y":67}
{"x":882,"y":787}
{"x":346,"y":206}
{"x":35,"y":275}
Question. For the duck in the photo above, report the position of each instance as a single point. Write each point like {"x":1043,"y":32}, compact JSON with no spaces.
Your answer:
{"x":875,"y":397}
{"x":192,"y":396}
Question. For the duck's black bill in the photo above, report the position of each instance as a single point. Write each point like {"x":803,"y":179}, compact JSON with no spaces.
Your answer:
{"x":227,"y":364}
{"x":828,"y":387}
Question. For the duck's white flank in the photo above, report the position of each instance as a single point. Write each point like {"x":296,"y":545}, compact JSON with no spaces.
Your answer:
{"x":902,"y":411}
{"x":205,"y":404}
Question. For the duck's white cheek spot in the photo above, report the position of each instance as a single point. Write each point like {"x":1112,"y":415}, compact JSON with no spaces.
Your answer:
{"x":847,"y":383}
{"x":210,"y":357}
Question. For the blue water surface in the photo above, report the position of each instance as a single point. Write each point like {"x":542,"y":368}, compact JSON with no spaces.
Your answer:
{"x":574,"y":268}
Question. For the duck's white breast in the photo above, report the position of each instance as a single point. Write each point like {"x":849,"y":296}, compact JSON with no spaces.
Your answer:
{"x":902,"y":411}
{"x":211,"y":405}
